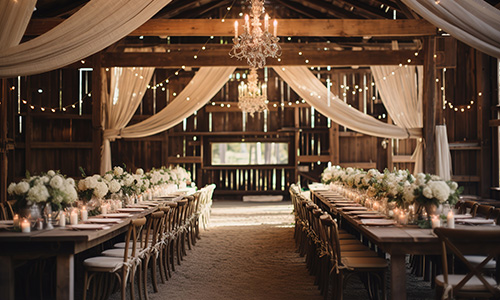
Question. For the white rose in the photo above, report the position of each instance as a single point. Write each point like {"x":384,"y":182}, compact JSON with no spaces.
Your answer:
{"x":453,"y":186}
{"x":12,"y":188}
{"x":22,"y":188}
{"x":70,"y":181}
{"x":38,"y":193}
{"x":45,"y":179}
{"x":440,"y":190}
{"x":118,"y":171}
{"x":91,"y":182}
{"x":420,"y":179}
{"x":57,"y":182}
{"x":139,"y":171}
{"x":114,"y":186}
{"x":128,"y":180}
{"x":51,"y":173}
{"x":427,"y":192}
{"x":82,"y":186}
{"x":101,"y":190}
{"x":108,"y":177}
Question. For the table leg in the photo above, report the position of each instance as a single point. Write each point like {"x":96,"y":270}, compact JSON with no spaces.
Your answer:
{"x":6,"y":278}
{"x":398,"y":276}
{"x":65,"y":277}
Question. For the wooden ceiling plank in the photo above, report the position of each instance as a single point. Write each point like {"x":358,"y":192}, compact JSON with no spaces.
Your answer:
{"x":221,"y":58}
{"x":306,"y":11}
{"x":287,"y":27}
{"x":201,"y":10}
{"x":369,"y":10}
{"x":326,"y":8}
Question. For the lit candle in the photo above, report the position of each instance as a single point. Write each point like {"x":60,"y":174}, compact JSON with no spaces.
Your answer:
{"x":403,"y":218}
{"x":247,"y":23}
{"x":450,"y":219}
{"x":275,"y":25}
{"x":435,"y":221}
{"x":73,"y":217}
{"x":235,"y":30}
{"x":25,"y":226}
{"x":62,"y":219}
{"x":104,"y":209}
{"x":16,"y":221}
{"x":84,"y":214}
{"x":376,"y":206}
{"x":266,"y":22}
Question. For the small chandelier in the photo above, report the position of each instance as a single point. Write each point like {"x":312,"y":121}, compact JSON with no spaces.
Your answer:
{"x":252,"y":97}
{"x":254,"y":44}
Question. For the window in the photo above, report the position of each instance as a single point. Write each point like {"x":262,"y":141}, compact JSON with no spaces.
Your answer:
{"x":249,"y":153}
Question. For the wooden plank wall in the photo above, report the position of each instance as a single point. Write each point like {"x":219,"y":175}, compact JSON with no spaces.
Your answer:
{"x":63,"y":139}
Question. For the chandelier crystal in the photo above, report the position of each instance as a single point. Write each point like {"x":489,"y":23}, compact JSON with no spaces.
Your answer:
{"x":252,"y":97}
{"x":256,"y":44}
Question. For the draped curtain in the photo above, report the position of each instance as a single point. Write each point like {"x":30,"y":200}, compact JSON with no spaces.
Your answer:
{"x":401,"y":90}
{"x":443,"y":157}
{"x":310,"y":88}
{"x":203,"y":87}
{"x":94,"y":27}
{"x":474,"y":22}
{"x":126,"y":90}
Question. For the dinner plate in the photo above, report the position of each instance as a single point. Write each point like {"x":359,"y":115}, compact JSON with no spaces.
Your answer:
{"x":7,"y":222}
{"x":138,"y":206}
{"x":104,"y":220}
{"x":150,"y":203}
{"x":116,"y":215}
{"x":476,"y":221}
{"x":377,"y":222}
{"x":352,"y":204}
{"x":465,"y":216}
{"x":363,"y":212}
{"x":130,"y":210}
{"x":354,"y":208}
{"x":88,"y":227}
{"x":370,"y":216}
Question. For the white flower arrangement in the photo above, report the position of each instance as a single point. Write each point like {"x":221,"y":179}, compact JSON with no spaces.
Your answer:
{"x":50,"y":188}
{"x":93,"y":186}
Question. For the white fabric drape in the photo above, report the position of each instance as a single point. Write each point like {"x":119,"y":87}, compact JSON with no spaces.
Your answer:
{"x":474,"y":22}
{"x":401,"y":90}
{"x":94,"y":27}
{"x":443,"y":157}
{"x":126,"y":90}
{"x":310,"y":88}
{"x":204,"y":85}
{"x":14,"y":18}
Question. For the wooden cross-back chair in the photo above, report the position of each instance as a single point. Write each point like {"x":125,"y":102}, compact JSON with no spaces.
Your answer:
{"x":460,"y":242}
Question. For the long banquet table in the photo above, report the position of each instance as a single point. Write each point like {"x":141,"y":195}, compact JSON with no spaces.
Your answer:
{"x":396,"y":241}
{"x":63,"y":243}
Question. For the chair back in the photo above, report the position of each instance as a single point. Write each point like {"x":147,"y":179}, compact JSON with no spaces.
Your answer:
{"x":484,"y":210}
{"x":476,"y":241}
{"x":468,"y":206}
{"x":133,"y":235}
{"x":332,"y":232}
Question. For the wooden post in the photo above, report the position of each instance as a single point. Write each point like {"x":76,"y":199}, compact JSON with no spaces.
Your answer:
{"x":430,"y":105}
{"x":484,"y":101}
{"x":297,"y":142}
{"x":3,"y":143}
{"x":97,"y":129}
{"x":334,"y":144}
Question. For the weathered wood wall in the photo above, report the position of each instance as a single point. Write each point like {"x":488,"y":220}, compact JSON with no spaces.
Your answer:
{"x":46,"y":139}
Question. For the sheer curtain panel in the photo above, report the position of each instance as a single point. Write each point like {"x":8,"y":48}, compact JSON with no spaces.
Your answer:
{"x":94,"y":27}
{"x":14,"y":18}
{"x":474,"y":22}
{"x":401,"y":90}
{"x":443,"y":157}
{"x":310,"y":88}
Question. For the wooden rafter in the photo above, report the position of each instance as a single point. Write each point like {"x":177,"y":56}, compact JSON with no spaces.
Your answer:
{"x":301,"y":9}
{"x":220,"y":57}
{"x":203,"y":9}
{"x":177,"y":7}
{"x":287,"y":27}
{"x":370,"y":11}
{"x":329,"y":9}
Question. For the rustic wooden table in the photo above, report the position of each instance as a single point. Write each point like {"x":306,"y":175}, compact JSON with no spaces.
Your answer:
{"x":397,"y":241}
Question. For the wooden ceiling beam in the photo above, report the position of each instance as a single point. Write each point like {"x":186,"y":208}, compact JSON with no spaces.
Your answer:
{"x":177,"y":59}
{"x":201,"y":10}
{"x":330,"y":9}
{"x":176,"y":7}
{"x":306,"y":11}
{"x":287,"y":27}
{"x":369,"y":10}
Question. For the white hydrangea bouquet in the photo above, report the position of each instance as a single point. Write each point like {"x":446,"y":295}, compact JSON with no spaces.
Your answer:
{"x":429,"y":189}
{"x":93,"y":186}
{"x":48,"y":188}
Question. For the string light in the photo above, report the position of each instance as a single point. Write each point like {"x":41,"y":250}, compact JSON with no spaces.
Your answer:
{"x":55,"y":109}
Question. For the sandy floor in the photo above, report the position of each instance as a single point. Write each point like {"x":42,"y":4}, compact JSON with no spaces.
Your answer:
{"x":249,"y":253}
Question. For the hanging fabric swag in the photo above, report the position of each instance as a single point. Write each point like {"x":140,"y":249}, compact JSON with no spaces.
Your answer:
{"x":94,"y":27}
{"x":203,"y":87}
{"x":474,"y":22}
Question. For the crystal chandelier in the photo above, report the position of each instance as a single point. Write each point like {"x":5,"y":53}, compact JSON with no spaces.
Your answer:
{"x":252,"y":97}
{"x":256,"y":44}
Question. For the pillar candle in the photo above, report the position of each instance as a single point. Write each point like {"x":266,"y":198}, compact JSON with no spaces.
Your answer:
{"x":266,"y":22}
{"x":62,"y":219}
{"x":450,"y":219}
{"x":25,"y":226}
{"x":104,"y":209}
{"x":84,"y":214}
{"x":435,"y":221}
{"x":16,"y":221}
{"x":73,"y":218}
{"x":275,"y":24}
{"x":235,"y":30}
